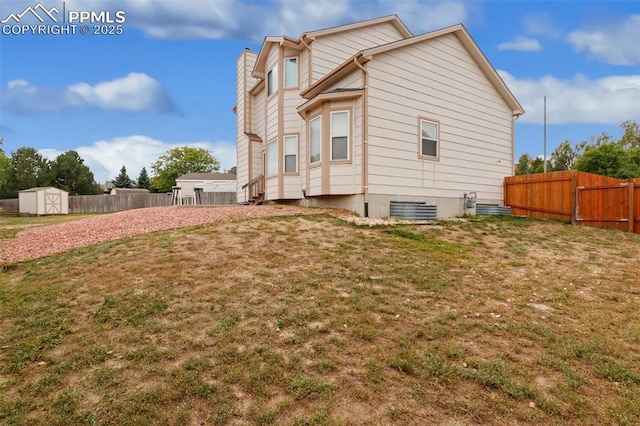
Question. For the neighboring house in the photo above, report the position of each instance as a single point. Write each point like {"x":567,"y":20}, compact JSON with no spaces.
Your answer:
{"x":107,"y":187}
{"x":209,"y":182}
{"x":123,"y":191}
{"x":360,"y":115}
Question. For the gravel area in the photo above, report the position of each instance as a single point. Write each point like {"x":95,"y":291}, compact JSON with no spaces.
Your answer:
{"x":47,"y":240}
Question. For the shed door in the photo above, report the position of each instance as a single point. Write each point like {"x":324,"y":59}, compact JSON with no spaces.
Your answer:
{"x":52,"y":203}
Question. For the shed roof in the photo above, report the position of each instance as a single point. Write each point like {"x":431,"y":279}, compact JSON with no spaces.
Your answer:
{"x":42,"y":188}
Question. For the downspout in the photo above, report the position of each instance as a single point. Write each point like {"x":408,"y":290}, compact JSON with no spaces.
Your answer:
{"x":365,"y":136}
{"x":513,"y":143}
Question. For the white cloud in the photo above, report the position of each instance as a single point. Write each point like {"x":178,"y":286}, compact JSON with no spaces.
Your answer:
{"x":615,"y":44}
{"x":523,"y":44}
{"x":608,"y":100}
{"x":135,"y":92}
{"x":105,"y":158}
{"x":251,"y":20}
{"x":540,"y":24}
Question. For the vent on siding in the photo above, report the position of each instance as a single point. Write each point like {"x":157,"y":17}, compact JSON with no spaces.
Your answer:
{"x":411,"y":210}
{"x":492,"y":210}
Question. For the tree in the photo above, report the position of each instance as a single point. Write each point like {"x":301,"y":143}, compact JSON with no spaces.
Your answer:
{"x":611,"y":159}
{"x":631,"y":136}
{"x":28,"y":169}
{"x":72,"y":175}
{"x":523,"y":167}
{"x":178,"y":161}
{"x":565,"y":155}
{"x":123,"y":180}
{"x":143,"y":180}
{"x":527,"y":165}
{"x":5,"y":163}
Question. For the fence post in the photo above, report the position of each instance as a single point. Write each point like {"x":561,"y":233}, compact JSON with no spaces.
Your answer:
{"x":631,"y":207}
{"x":574,"y":196}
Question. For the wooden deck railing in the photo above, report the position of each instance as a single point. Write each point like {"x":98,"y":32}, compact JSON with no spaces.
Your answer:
{"x":255,"y":190}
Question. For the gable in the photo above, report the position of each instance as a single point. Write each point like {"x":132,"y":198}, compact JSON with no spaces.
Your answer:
{"x":329,"y":51}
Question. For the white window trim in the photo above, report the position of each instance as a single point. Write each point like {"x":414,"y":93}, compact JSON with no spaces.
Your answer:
{"x":348,"y":135}
{"x":422,"y":120}
{"x":319,"y":117}
{"x":284,"y":81}
{"x":284,"y":154}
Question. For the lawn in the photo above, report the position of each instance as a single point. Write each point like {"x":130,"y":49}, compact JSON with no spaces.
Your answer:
{"x":312,"y":320}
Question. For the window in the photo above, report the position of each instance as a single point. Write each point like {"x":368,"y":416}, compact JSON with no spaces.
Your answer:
{"x":272,"y":81}
{"x":290,"y":72}
{"x":290,"y":154}
{"x":340,"y":135}
{"x":272,"y":157}
{"x":315,"y":139}
{"x":428,"y":138}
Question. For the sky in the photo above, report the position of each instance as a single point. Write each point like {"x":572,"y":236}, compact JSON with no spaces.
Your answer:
{"x":163,"y":75}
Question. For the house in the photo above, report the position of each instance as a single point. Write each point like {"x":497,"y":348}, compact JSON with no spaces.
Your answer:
{"x":209,"y":182}
{"x":128,"y":191}
{"x":365,"y":115}
{"x":43,"y":201}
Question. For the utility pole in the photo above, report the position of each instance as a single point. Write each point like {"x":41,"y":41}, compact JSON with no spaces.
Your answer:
{"x":545,"y":135}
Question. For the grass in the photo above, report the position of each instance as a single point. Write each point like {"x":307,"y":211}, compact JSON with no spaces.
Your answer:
{"x":309,"y":320}
{"x":11,"y":224}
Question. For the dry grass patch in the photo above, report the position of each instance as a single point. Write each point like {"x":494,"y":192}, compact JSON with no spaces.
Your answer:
{"x":310,"y":320}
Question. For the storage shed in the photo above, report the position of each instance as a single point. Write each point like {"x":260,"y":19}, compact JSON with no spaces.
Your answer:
{"x":43,"y":201}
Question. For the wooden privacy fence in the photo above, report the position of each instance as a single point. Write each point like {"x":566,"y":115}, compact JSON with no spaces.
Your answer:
{"x":577,"y":197}
{"x":119,"y":202}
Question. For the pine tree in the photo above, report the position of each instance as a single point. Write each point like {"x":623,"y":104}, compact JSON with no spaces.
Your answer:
{"x":123,"y":180}
{"x":143,"y":180}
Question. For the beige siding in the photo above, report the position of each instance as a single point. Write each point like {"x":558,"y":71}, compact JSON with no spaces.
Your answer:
{"x":352,"y":81}
{"x":342,"y":179}
{"x":331,"y":50}
{"x":304,"y":69}
{"x":257,"y":162}
{"x":258,"y":114}
{"x":272,"y":188}
{"x":315,"y":181}
{"x":292,"y":120}
{"x":292,"y":187}
{"x":244,"y":82}
{"x":437,"y":80}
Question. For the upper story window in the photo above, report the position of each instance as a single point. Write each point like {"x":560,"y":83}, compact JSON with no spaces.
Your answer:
{"x":272,"y":157}
{"x":428,"y":138}
{"x":339,"y":135}
{"x":290,"y":72}
{"x":315,"y":139}
{"x":272,"y":81}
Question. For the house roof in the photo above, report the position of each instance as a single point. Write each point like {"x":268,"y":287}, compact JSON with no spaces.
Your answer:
{"x":131,"y":190}
{"x":393,"y":19}
{"x":336,"y":94}
{"x":299,"y":43}
{"x":207,"y":176}
{"x":458,"y":30}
